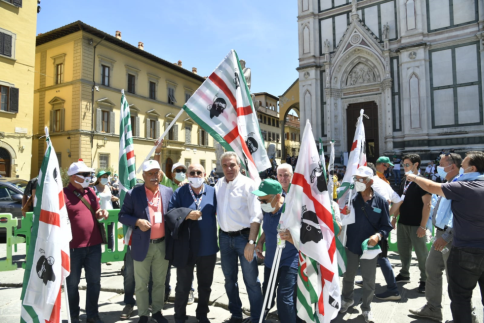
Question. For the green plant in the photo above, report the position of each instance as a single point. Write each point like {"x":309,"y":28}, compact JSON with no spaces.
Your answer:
{"x":64,"y":176}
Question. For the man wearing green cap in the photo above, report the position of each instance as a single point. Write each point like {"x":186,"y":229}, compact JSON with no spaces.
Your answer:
{"x":382,"y":164}
{"x":271,"y":197}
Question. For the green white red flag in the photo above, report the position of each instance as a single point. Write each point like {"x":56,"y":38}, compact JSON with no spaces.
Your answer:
{"x":308,"y":216}
{"x":223,"y":107}
{"x":48,"y":257}
{"x":356,"y":159}
{"x":127,"y":163}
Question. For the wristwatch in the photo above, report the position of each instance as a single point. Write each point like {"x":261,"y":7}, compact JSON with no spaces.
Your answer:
{"x":251,"y":242}
{"x":157,"y":154}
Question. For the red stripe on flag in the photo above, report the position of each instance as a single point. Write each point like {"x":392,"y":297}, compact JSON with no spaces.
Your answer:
{"x":353,"y":147}
{"x":302,"y":268}
{"x":49,"y":217}
{"x":55,"y":315}
{"x":244,"y":111}
{"x":61,"y":200}
{"x":231,"y":135}
{"x":66,"y":261}
{"x":221,"y":85}
{"x":328,"y":275}
{"x":129,"y":154}
{"x":321,"y":303}
{"x":246,"y":151}
{"x":322,"y":213}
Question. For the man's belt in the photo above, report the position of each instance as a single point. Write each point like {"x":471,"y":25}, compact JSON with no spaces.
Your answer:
{"x":157,"y":240}
{"x":237,"y":233}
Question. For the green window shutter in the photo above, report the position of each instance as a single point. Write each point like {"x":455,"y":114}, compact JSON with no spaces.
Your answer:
{"x":199,"y":136}
{"x":111,"y":122}
{"x":147,"y":128}
{"x":188,"y":135}
{"x":1,"y":43}
{"x":7,"y":45}
{"x":62,"y":120}
{"x":51,"y":125}
{"x":98,"y":120}
{"x":157,"y":130}
{"x":175,"y":132}
{"x":136,"y":130}
{"x":206,"y":138}
{"x":14,"y":94}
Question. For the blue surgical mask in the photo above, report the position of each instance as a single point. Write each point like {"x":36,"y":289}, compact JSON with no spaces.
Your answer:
{"x":180,"y":177}
{"x":441,"y":171}
{"x":104,"y":180}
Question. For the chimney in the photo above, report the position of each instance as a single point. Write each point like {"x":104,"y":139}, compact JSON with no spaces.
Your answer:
{"x":141,"y":46}
{"x":194,"y":70}
{"x":118,"y":34}
{"x":180,"y":63}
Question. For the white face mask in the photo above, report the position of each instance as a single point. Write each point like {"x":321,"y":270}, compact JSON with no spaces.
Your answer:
{"x":86,"y":182}
{"x":360,"y":187}
{"x":410,"y":172}
{"x":180,"y":177}
{"x":195,"y":182}
{"x":267,"y":207}
{"x":104,"y":181}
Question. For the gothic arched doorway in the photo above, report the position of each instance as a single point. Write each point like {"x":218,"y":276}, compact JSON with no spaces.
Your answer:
{"x":371,"y":127}
{"x":5,"y":162}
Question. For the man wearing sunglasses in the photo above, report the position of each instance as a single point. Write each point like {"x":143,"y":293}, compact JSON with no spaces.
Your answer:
{"x":382,"y":165}
{"x":412,"y":223}
{"x":192,"y":240}
{"x":239,"y":215}
{"x":84,"y":210}
{"x":178,"y":171}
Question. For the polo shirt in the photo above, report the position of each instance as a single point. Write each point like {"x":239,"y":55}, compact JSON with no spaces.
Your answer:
{"x":289,"y":256}
{"x":376,"y":217}
{"x":165,"y":181}
{"x":85,"y":233}
{"x":155,"y":204}
{"x":382,"y":177}
{"x":467,"y":205}
{"x":208,"y":223}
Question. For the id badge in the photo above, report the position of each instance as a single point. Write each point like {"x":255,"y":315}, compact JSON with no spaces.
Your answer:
{"x":376,"y":210}
{"x":158,"y":217}
{"x":403,"y":197}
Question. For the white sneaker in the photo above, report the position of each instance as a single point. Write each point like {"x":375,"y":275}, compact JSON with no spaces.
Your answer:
{"x":368,"y":317}
{"x":346,"y":305}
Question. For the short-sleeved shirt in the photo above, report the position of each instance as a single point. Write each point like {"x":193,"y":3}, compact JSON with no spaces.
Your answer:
{"x":289,"y":256}
{"x":85,"y":233}
{"x":31,"y":185}
{"x":412,"y":206}
{"x":155,"y":204}
{"x":467,"y":206}
{"x":208,"y":223}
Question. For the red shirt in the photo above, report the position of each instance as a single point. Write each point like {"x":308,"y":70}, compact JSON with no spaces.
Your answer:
{"x":85,"y":233}
{"x":155,"y":204}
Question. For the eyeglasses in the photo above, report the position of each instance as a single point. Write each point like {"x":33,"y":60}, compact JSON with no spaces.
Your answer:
{"x":198,"y":173}
{"x":180,"y":170}
{"x":361,"y":180}
{"x":407,"y":165}
{"x":386,"y":165}
{"x":266,"y":202}
{"x":83,"y":174}
{"x":153,"y":174}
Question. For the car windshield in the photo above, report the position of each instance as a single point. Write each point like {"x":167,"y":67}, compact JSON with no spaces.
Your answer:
{"x":20,"y":184}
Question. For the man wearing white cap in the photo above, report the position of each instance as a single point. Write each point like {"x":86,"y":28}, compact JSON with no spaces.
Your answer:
{"x":143,"y":210}
{"x":372,"y":223}
{"x":178,"y":171}
{"x":83,"y":210}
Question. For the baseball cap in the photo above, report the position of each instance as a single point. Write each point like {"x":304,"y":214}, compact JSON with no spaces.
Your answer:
{"x":364,"y":171}
{"x":79,"y":167}
{"x":385,"y":160}
{"x":150,"y":164}
{"x":268,"y":187}
{"x":368,"y":251}
{"x":102,"y":172}
{"x":176,"y":165}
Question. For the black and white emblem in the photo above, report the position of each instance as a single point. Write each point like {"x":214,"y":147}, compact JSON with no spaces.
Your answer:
{"x":44,"y":268}
{"x":318,"y":174}
{"x":310,"y":229}
{"x":251,"y":144}
{"x":217,"y":107}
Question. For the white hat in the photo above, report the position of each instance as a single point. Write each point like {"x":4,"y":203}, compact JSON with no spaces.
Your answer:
{"x":150,"y":164}
{"x":364,"y":171}
{"x":79,"y":167}
{"x":176,"y":165}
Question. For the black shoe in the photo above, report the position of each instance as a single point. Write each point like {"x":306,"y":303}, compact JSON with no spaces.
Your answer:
{"x":94,"y":320}
{"x":421,"y":287}
{"x":143,"y":319}
{"x":359,"y":283}
{"x":159,"y":318}
{"x":402,"y":279}
{"x":236,"y":320}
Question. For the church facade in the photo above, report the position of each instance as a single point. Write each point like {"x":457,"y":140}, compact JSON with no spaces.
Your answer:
{"x":413,"y":66}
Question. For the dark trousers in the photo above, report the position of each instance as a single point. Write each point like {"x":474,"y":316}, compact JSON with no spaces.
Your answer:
{"x":184,"y":277}
{"x":111,"y":236}
{"x":286,"y":291}
{"x":465,"y":268}
{"x":88,"y":258}
{"x":167,"y":282}
{"x":387,"y":271}
{"x":129,"y":284}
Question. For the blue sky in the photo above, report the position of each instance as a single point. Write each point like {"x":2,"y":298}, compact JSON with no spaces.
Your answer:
{"x":200,"y":33}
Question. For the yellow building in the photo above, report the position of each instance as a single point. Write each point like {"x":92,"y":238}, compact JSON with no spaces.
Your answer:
{"x":18,"y":20}
{"x":267,"y":112}
{"x":78,"y":93}
{"x":288,"y":114}
{"x":292,"y":135}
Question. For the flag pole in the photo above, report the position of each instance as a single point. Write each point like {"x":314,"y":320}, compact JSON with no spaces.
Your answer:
{"x":160,"y":139}
{"x":67,"y":302}
{"x":270,"y":283}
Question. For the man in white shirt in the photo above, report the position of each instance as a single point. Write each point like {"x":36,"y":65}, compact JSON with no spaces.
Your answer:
{"x":239,"y":216}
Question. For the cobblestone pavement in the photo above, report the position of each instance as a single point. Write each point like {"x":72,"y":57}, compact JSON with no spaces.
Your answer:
{"x":111,"y":298}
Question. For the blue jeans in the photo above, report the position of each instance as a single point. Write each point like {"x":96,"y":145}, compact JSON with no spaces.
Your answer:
{"x":129,"y":284}
{"x":88,"y":258}
{"x":286,"y":284}
{"x":396,"y":172}
{"x":231,"y":250}
{"x":465,"y":268}
{"x":387,"y":272}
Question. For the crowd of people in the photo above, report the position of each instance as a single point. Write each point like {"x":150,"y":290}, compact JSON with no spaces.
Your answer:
{"x":173,"y":222}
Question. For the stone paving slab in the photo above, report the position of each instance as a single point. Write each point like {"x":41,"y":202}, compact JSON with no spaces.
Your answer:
{"x":112,"y":288}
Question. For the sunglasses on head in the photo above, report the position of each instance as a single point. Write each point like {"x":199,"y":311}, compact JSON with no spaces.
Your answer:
{"x":198,"y":173}
{"x":180,"y":170}
{"x":84,"y":174}
{"x":453,"y":160}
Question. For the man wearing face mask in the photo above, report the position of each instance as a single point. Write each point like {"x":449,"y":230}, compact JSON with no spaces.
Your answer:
{"x":372,"y":224}
{"x":84,"y":210}
{"x":271,"y":197}
{"x":412,"y":223}
{"x":465,"y":264}
{"x":192,"y":240}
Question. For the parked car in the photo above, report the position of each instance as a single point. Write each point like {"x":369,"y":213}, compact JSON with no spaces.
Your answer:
{"x":11,"y":193}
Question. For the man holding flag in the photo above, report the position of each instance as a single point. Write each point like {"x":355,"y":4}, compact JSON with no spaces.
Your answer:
{"x":372,"y":224}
